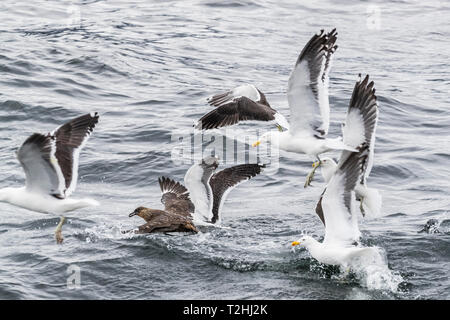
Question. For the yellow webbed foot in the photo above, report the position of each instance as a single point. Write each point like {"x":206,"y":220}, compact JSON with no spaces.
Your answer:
{"x":310,"y":176}
{"x":58,"y":232}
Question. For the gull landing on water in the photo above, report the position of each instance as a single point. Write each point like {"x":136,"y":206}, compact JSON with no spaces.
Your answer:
{"x":340,"y":245}
{"x":50,"y":163}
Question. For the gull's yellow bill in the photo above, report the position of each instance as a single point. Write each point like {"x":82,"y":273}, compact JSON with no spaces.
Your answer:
{"x":257,"y":143}
{"x":295,"y":243}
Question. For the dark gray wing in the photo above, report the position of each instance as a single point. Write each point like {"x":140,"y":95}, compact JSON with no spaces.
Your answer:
{"x":70,"y":139}
{"x":234,"y":111}
{"x":319,"y":209}
{"x":175,"y":197}
{"x":224,"y":181}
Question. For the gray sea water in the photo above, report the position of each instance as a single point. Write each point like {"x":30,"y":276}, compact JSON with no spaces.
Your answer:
{"x":147,"y":67}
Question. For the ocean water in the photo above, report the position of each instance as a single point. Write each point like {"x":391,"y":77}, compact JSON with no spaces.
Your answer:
{"x":147,"y":67}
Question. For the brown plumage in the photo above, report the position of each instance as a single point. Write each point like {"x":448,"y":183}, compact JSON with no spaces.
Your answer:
{"x":163,"y":221}
{"x":176,"y":216}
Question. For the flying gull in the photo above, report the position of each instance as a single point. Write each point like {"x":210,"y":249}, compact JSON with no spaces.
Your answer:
{"x":360,"y":128}
{"x":244,"y":103}
{"x":209,"y":190}
{"x":308,"y":102}
{"x":176,"y":216}
{"x":50,"y":163}
{"x":341,"y":242}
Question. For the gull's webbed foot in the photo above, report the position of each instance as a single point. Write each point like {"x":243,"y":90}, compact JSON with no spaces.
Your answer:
{"x":58,"y":232}
{"x":280,"y":128}
{"x":361,"y":207}
{"x":59,"y":237}
{"x":310,"y":176}
{"x":309,"y":179}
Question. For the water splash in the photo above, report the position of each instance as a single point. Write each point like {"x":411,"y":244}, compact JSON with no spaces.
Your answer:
{"x":372,"y":271}
{"x":104,"y":231}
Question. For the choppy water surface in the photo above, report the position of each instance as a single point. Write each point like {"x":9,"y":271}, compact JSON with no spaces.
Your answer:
{"x":147,"y":68}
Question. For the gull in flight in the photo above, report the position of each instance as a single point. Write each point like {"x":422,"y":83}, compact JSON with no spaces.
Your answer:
{"x":360,"y":128}
{"x":307,"y":93}
{"x":245,"y":103}
{"x":50,"y":163}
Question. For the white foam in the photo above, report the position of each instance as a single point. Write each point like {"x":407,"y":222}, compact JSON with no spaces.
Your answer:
{"x":372,"y":272}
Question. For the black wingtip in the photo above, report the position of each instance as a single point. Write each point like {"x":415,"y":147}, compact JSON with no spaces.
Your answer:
{"x":200,"y":126}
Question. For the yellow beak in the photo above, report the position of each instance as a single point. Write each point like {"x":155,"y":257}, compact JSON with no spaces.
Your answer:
{"x":257,"y":143}
{"x":295,"y":243}
{"x":316,"y":164}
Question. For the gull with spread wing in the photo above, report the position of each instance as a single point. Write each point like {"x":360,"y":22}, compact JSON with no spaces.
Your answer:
{"x":209,"y":189}
{"x":360,"y":127}
{"x":50,"y":163}
{"x":307,"y":93}
{"x":242,"y":104}
{"x":308,"y":102}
